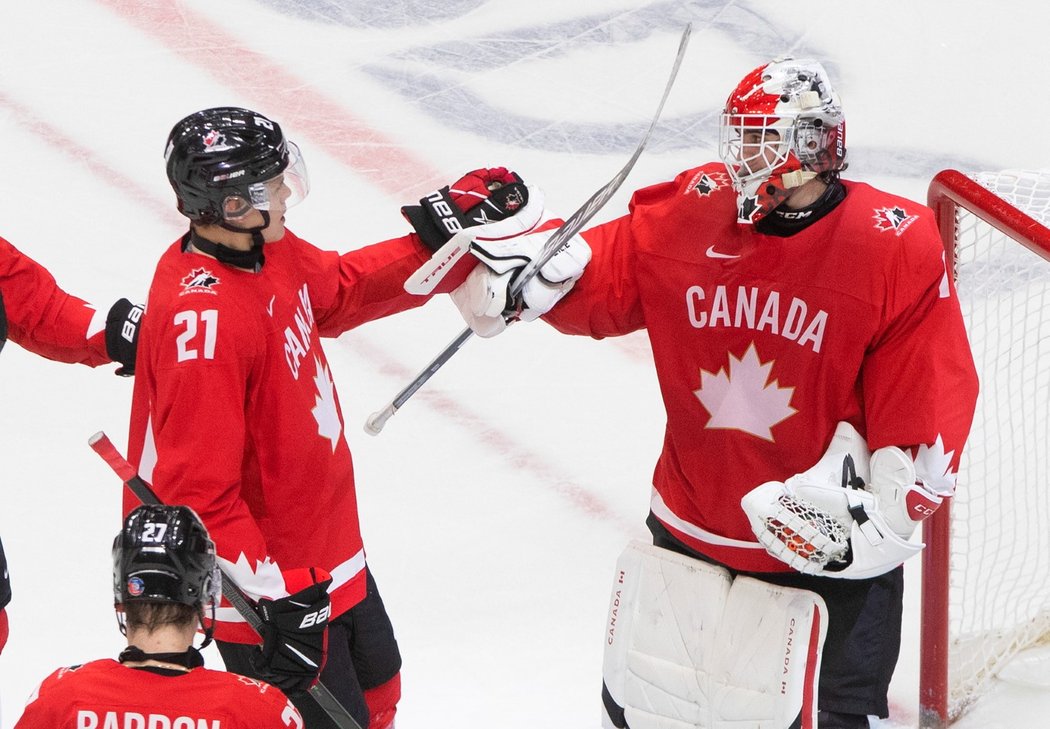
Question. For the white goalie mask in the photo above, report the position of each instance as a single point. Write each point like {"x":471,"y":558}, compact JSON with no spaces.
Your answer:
{"x":782,"y":126}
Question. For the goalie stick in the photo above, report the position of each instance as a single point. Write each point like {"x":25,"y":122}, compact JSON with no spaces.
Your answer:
{"x":102,"y":445}
{"x":572,"y":226}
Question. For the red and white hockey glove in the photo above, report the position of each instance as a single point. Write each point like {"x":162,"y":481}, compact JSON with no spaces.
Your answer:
{"x":484,"y":205}
{"x":481,"y":197}
{"x":484,"y":299}
{"x":903,"y":500}
{"x":295,"y":631}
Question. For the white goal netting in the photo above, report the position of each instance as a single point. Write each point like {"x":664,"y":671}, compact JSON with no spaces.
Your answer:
{"x":999,"y":599}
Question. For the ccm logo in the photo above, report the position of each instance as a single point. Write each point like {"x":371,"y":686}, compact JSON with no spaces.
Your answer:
{"x":921,"y":506}
{"x":922,"y":511}
{"x":318,"y":617}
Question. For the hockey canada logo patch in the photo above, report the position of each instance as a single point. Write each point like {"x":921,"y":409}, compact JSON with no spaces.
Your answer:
{"x":199,"y":281}
{"x":706,"y":183}
{"x":895,"y":219}
{"x":136,"y":586}
{"x":215,"y":141}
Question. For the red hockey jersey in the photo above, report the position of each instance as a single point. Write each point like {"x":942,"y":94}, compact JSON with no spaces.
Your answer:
{"x":235,"y":412}
{"x":106,"y":693}
{"x":762,"y":344}
{"x":43,"y":318}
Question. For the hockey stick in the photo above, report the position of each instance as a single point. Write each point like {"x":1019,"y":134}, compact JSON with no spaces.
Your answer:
{"x":101,"y":444}
{"x":572,"y":226}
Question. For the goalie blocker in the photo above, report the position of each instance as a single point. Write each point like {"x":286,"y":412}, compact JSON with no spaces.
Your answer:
{"x":687,"y":643}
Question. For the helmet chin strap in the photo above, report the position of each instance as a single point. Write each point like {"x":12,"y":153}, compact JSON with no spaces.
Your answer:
{"x":798,"y":178}
{"x":250,"y":260}
{"x":188,"y":659}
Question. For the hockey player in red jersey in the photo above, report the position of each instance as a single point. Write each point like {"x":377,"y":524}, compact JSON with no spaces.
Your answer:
{"x":235,"y":411}
{"x":790,"y":312}
{"x":38,"y":315}
{"x":42,"y":318}
{"x":165,"y":581}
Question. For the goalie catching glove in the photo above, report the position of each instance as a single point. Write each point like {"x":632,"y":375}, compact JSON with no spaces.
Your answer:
{"x":849,"y":516}
{"x":295,"y":631}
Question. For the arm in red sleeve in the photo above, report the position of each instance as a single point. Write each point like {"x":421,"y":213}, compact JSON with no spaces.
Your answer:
{"x":43,"y":318}
{"x":919,"y":378}
{"x":363,"y":284}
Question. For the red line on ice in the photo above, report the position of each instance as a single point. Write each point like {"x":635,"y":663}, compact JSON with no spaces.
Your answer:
{"x":301,"y":108}
{"x":81,"y":154}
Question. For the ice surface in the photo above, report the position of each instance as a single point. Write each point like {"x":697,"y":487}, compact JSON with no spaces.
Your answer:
{"x":495,"y":504}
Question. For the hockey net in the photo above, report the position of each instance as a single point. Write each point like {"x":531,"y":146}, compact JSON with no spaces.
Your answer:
{"x":986,"y":571}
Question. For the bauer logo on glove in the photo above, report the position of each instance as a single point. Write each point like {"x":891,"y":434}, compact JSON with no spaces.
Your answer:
{"x":478,"y":198}
{"x":486,"y":204}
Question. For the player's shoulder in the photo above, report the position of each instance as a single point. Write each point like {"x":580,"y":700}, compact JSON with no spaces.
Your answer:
{"x":691,"y":185}
{"x":72,"y":678}
{"x":884,"y":212}
{"x":190,"y":282}
{"x":241,"y":691}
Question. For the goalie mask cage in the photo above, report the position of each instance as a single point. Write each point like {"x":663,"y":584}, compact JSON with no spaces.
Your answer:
{"x":986,"y":569}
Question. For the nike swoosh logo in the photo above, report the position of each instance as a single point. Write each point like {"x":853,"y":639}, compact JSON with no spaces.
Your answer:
{"x":712,"y":253}
{"x":269,"y":307}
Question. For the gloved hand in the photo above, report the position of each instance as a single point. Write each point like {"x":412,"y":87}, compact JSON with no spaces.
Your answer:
{"x":295,"y":632}
{"x":484,"y":299}
{"x":846,"y":517}
{"x":903,"y":500}
{"x":480,"y":197}
{"x":122,"y":335}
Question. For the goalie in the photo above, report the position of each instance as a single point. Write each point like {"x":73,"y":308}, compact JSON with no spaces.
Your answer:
{"x":819,"y":388}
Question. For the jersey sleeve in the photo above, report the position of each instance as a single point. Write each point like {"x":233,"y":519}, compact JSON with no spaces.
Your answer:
{"x":43,"y":318}
{"x":363,"y":284}
{"x":605,"y":302}
{"x":39,"y":710}
{"x":919,"y":378}
{"x":206,"y":353}
{"x":269,"y":709}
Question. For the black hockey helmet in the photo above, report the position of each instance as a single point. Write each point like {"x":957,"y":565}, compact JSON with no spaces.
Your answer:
{"x":226,"y":152}
{"x":164,"y":554}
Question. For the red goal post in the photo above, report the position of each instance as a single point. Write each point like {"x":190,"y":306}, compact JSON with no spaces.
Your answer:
{"x":981,"y":602}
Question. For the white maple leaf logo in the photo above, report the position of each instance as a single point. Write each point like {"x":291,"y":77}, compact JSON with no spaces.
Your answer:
{"x":325,"y":412}
{"x":744,"y":398}
{"x":262,"y":580}
{"x":934,"y":466}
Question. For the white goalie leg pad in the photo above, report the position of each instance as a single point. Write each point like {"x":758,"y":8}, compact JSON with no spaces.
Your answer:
{"x":689,"y":647}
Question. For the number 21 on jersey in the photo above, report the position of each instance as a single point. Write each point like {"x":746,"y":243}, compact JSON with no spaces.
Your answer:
{"x":197,"y":331}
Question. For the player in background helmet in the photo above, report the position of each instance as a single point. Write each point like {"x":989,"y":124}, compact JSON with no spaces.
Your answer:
{"x":235,"y":411}
{"x":165,"y":588}
{"x":795,"y":318}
